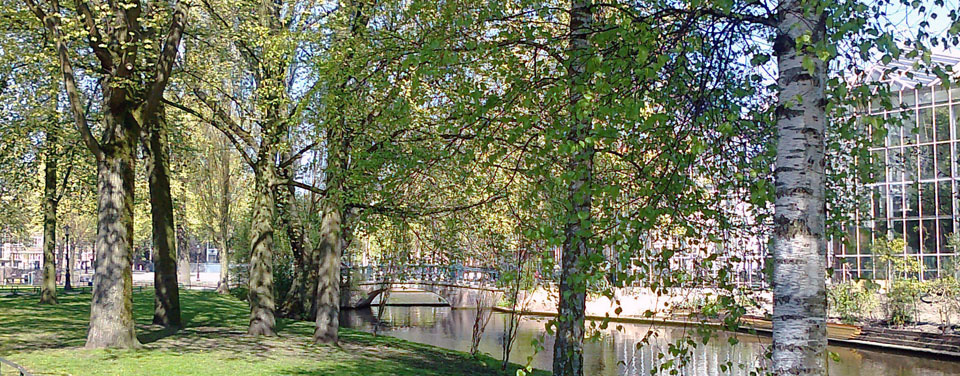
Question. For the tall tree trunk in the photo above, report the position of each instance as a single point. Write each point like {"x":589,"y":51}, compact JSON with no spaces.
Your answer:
{"x":328,"y":278}
{"x":261,"y":295}
{"x":568,"y":347}
{"x":48,"y":289}
{"x":292,"y":306}
{"x":183,"y":255}
{"x":799,"y":253}
{"x":223,"y":285}
{"x":111,"y":308}
{"x":312,"y":279}
{"x":166,"y":302}
{"x":69,"y":251}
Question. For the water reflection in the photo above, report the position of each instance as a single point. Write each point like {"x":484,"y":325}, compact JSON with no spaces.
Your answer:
{"x":620,"y":349}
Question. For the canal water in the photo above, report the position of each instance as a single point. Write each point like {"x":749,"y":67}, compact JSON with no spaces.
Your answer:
{"x":619,"y":349}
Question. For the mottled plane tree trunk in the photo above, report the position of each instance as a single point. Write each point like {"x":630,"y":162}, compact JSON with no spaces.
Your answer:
{"x":294,"y":305}
{"x":223,"y":228}
{"x":799,"y":246}
{"x":166,"y":302}
{"x":568,"y":347}
{"x":127,"y":97}
{"x":111,"y":309}
{"x":261,"y":294}
{"x":328,"y":281}
{"x":48,"y":289}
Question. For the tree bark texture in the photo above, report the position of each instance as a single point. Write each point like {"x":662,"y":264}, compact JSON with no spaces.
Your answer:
{"x":111,"y":307}
{"x":328,"y":281}
{"x":48,"y":288}
{"x":292,"y":306}
{"x":261,"y":295}
{"x":568,"y":347}
{"x":166,"y":302}
{"x":183,"y":255}
{"x":223,"y":286}
{"x":799,"y":308}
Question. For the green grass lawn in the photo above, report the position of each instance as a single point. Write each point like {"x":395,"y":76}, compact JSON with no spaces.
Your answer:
{"x":47,"y":340}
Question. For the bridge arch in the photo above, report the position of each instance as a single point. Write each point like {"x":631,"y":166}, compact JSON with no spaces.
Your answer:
{"x":372,"y":300}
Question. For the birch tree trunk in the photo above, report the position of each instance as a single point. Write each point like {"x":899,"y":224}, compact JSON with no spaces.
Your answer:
{"x":48,"y":289}
{"x":166,"y":302}
{"x":799,"y":308}
{"x":568,"y":347}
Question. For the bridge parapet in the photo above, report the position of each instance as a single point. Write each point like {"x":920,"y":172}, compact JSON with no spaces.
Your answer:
{"x":460,"y":286}
{"x":423,"y":274}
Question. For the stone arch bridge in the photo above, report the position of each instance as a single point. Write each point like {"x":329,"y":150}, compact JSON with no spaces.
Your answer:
{"x":459,"y":286}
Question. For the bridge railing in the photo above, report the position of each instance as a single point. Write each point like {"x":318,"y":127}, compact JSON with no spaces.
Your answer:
{"x":452,"y":274}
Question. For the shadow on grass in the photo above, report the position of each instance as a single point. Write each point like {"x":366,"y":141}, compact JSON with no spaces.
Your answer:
{"x":216,"y":324}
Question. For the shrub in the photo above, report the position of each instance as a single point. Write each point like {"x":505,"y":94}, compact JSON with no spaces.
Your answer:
{"x":851,"y":300}
{"x":902,"y":301}
{"x":944,"y":294}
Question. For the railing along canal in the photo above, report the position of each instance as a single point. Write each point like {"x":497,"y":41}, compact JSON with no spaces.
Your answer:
{"x":450,"y":274}
{"x":23,"y":371}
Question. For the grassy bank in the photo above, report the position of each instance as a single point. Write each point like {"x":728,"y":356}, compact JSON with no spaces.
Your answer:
{"x":47,"y":340}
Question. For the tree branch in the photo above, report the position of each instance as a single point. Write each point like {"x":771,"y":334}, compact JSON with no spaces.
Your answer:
{"x":297,"y":155}
{"x":165,"y":62}
{"x":236,"y":143}
{"x":94,"y":38}
{"x":52,"y":24}
{"x":422,"y":212}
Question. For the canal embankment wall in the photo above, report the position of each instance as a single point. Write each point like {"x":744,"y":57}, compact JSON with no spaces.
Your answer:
{"x":641,"y":306}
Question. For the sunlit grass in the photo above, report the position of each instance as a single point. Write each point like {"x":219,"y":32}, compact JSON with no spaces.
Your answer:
{"x":47,"y":339}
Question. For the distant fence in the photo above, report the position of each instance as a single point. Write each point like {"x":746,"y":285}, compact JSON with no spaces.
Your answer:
{"x":6,"y":363}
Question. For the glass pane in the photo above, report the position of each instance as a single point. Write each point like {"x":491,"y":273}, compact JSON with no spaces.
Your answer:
{"x":880,"y":202}
{"x":880,"y":230}
{"x":926,"y":162}
{"x":896,"y":200}
{"x":893,"y":128}
{"x":850,"y":240}
{"x":912,"y":196}
{"x":908,"y":98}
{"x":895,"y":165}
{"x":912,"y":235}
{"x":896,"y":230}
{"x":910,"y":163}
{"x":940,"y":95}
{"x":864,"y":234}
{"x":926,"y":125}
{"x":929,"y":234}
{"x":946,"y":228}
{"x":909,"y":118}
{"x":942,"y":120}
{"x":930,"y":267}
{"x":956,"y":117}
{"x":877,"y":165}
{"x":945,"y":204}
{"x":955,"y":94}
{"x":926,"y":96}
{"x":928,"y":199}
{"x":943,"y":160}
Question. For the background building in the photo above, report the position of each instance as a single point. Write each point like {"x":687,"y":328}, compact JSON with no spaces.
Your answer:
{"x":915,"y":196}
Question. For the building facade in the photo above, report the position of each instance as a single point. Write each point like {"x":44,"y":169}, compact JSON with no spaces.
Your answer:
{"x":914,"y":197}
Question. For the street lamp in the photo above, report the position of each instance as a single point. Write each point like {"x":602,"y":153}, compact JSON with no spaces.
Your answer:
{"x":66,"y":233}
